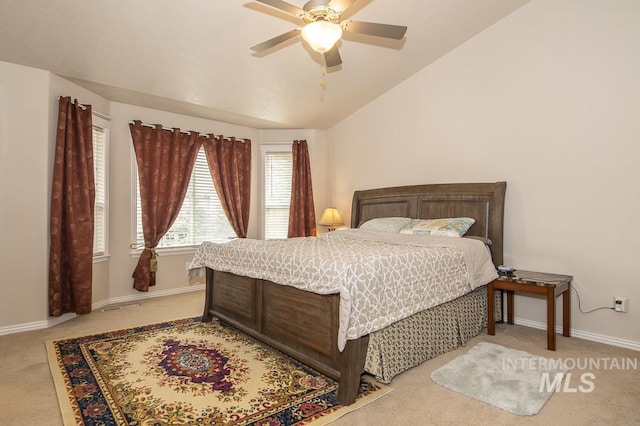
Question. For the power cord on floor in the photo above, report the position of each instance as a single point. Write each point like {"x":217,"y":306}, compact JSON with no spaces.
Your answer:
{"x":592,"y":310}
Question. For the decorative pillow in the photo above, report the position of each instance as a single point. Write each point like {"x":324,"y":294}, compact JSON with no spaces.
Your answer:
{"x":450,"y":227}
{"x":386,"y":224}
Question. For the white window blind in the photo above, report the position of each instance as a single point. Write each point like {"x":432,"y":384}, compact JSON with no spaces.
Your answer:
{"x":277,"y":197}
{"x":201,"y":217}
{"x":100,"y":135}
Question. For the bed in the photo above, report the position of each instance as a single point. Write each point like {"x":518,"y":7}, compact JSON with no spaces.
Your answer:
{"x":306,"y":325}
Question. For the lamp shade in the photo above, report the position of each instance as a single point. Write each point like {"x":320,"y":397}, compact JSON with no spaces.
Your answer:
{"x":331,"y":217}
{"x":321,"y":35}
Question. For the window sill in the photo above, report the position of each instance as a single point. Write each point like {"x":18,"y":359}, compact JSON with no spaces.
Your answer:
{"x":100,"y":258}
{"x":168,"y":251}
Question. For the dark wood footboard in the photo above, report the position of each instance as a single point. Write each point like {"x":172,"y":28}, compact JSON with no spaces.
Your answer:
{"x":298,"y":323}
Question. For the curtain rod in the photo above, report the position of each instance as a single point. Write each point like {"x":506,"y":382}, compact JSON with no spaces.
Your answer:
{"x":171,"y":129}
{"x":84,"y":107}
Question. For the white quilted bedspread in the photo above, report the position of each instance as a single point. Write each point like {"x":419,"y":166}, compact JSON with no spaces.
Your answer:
{"x":381,"y":277}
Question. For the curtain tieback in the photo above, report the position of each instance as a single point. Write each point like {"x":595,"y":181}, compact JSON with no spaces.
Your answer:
{"x":153,"y":262}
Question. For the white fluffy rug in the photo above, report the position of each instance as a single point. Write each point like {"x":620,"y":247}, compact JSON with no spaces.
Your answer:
{"x":512,"y":380}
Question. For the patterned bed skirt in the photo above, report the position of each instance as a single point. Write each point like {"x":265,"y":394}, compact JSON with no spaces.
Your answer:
{"x":427,"y":334}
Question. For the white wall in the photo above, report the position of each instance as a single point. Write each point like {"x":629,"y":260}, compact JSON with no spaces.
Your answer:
{"x":28,"y":117}
{"x":24,"y":195}
{"x":547,"y":99}
{"x":29,"y":114}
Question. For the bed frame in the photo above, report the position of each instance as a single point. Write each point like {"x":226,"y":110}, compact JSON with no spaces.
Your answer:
{"x":304,"y":325}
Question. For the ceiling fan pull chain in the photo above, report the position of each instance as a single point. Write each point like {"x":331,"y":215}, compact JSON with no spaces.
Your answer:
{"x":323,"y":69}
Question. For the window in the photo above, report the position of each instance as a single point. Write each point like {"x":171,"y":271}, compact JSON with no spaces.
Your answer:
{"x":201,"y":217}
{"x":277,"y":165}
{"x":100,"y":157}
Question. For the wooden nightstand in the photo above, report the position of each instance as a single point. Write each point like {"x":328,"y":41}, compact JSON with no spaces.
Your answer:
{"x":550,"y":285}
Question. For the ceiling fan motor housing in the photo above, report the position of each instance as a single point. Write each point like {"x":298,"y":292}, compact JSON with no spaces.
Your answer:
{"x":317,"y":10}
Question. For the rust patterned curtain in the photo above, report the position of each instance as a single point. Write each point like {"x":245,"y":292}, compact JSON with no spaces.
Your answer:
{"x":165,"y":161}
{"x":230,"y":165}
{"x":302,"y":213}
{"x":72,"y":203}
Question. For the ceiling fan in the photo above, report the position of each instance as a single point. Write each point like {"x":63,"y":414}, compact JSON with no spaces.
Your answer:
{"x":323,"y":27}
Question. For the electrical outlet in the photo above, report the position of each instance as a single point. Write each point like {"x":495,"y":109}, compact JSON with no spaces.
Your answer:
{"x":621,"y":304}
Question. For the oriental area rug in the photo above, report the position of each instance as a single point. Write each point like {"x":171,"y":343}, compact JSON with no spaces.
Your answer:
{"x":186,"y":372}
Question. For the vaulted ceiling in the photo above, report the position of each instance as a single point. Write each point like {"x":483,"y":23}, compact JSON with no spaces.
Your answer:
{"x":193,"y":56}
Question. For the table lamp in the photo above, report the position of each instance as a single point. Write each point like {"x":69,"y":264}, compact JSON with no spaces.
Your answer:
{"x":331,"y":218}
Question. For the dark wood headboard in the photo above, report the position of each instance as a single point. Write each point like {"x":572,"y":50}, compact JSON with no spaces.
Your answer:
{"x":483,"y":202}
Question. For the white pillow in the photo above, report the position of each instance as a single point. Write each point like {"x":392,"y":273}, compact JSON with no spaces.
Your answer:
{"x":386,"y":224}
{"x":450,"y":227}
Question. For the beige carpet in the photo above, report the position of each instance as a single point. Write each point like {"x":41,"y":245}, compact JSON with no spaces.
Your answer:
{"x":27,"y":394}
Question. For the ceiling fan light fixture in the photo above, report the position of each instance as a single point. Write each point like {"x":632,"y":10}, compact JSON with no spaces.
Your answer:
{"x":321,"y":35}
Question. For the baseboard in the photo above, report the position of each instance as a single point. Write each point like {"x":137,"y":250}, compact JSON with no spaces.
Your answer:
{"x":149,"y":295}
{"x":608,"y":340}
{"x":53,"y":321}
{"x":37,"y":325}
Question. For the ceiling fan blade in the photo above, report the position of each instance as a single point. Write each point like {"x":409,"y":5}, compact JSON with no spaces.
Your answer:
{"x":340,"y":5}
{"x":381,"y":30}
{"x":332,"y":57}
{"x":276,"y":40}
{"x":283,"y":5}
